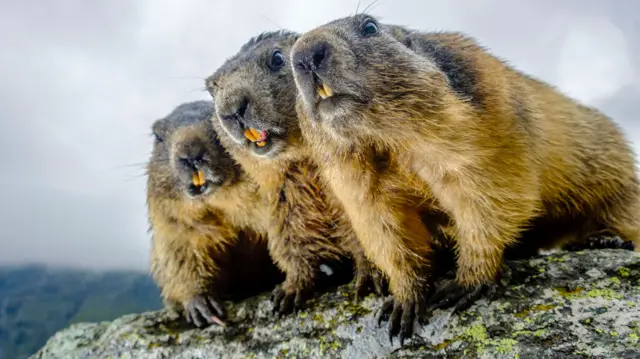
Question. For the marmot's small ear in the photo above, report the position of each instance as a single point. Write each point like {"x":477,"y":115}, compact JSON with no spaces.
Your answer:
{"x":158,"y":129}
{"x":210,"y":84}
{"x":401,"y":35}
{"x":407,"y":41}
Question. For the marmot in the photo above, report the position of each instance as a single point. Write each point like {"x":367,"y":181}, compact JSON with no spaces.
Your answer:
{"x":207,"y":240}
{"x":499,"y":151}
{"x":254,"y":96}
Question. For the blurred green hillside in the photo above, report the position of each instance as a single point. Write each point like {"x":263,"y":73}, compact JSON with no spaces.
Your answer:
{"x":36,"y":301}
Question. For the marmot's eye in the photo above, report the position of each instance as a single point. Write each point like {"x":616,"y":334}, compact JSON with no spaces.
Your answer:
{"x":369,"y":28}
{"x":157,"y":137}
{"x":276,"y":61}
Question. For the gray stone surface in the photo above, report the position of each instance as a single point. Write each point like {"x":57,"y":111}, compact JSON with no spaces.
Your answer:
{"x":565,"y":305}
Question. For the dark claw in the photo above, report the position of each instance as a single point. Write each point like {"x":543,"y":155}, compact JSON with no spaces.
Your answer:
{"x":370,"y":282}
{"x":381,"y":286}
{"x":219,"y":308}
{"x":276,"y":298}
{"x":420,"y":311}
{"x":385,"y":311}
{"x":406,"y":324}
{"x":200,"y":311}
{"x":362,"y":287}
{"x":444,"y":295}
{"x":401,"y":319}
{"x":453,"y":295}
{"x":286,"y":303}
{"x":197,"y":319}
{"x":395,"y":321}
{"x":286,"y":306}
{"x":301,"y":298}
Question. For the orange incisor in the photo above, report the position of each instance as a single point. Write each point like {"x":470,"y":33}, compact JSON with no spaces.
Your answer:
{"x":254,"y":135}
{"x":198,"y":178}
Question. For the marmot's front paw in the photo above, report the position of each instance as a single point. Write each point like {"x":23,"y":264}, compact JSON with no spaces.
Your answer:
{"x":370,"y":281}
{"x":286,"y":301}
{"x":452,"y":295}
{"x":401,"y":315}
{"x":603,"y":241}
{"x":203,"y":310}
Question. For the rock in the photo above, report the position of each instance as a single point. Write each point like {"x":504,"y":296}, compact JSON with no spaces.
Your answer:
{"x":565,"y":305}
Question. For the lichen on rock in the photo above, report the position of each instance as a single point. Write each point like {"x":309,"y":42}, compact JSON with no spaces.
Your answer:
{"x":565,"y":305}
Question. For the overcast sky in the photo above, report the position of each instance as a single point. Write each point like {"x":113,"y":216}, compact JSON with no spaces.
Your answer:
{"x":81,"y":81}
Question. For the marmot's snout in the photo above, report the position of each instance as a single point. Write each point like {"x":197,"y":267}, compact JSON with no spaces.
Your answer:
{"x":238,"y":120}
{"x":311,"y":62}
{"x":233,"y":114}
{"x":195,"y":169}
{"x":312,"y":56}
{"x":237,"y":110}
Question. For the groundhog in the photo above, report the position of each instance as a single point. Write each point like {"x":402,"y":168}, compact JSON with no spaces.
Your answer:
{"x":207,"y":239}
{"x":504,"y":155}
{"x":254,"y":96}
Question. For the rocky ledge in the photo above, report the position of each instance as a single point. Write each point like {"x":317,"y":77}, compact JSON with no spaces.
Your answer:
{"x":565,"y":305}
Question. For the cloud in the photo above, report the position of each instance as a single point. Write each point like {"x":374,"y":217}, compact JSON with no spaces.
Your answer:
{"x":82,"y":81}
{"x":594,"y":61}
{"x":78,"y":230}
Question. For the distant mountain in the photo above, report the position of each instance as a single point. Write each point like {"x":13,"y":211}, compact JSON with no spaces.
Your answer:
{"x":37,"y":301}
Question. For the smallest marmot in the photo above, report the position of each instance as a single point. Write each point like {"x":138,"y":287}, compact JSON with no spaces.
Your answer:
{"x":202,"y":252}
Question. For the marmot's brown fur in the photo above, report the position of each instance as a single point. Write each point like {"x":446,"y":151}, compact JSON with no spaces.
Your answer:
{"x":498,"y":151}
{"x":204,"y":214}
{"x":254,"y":96}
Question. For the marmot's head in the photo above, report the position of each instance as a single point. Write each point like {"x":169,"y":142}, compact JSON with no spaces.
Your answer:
{"x":354,"y":75}
{"x":254,"y":96}
{"x":187,"y":158}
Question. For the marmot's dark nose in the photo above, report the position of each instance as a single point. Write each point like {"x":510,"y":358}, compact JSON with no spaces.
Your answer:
{"x":197,"y":162}
{"x":313,"y":57}
{"x":239,"y":110}
{"x":192,"y":155}
{"x":192,"y":162}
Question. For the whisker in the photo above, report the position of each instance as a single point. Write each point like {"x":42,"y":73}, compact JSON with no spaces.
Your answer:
{"x":135,"y":178}
{"x":273,"y":22}
{"x":369,"y":6}
{"x":200,"y":89}
{"x":188,"y":77}
{"x":140,"y":164}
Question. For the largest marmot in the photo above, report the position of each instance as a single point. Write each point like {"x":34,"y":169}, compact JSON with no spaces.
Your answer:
{"x":499,"y":151}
